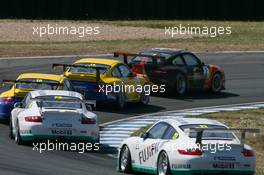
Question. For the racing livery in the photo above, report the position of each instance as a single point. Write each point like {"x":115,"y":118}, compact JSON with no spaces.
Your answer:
{"x":179,"y":70}
{"x":188,"y":146}
{"x":53,"y":114}
{"x":89,"y":75}
{"x":26,"y":83}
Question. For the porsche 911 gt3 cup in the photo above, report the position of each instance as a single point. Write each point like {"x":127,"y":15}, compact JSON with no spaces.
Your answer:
{"x":188,"y":146}
{"x":49,"y":114}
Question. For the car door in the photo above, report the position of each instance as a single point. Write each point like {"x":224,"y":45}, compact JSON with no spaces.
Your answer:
{"x":147,"y":148}
{"x":194,"y":70}
{"x":129,"y":82}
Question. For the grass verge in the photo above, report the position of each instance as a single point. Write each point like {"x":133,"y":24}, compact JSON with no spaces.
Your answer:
{"x":245,"y":36}
{"x":240,"y":119}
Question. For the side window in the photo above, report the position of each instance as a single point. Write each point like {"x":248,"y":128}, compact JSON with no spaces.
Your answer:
{"x":124,"y":70}
{"x":116,"y":73}
{"x":171,"y":134}
{"x":158,"y":131}
{"x":177,"y":61}
{"x":29,"y":104}
{"x":26,"y":101}
{"x":67,"y":85}
{"x":190,"y":60}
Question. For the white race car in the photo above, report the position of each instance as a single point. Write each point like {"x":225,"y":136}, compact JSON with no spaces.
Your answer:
{"x":188,"y":146}
{"x":50,"y":114}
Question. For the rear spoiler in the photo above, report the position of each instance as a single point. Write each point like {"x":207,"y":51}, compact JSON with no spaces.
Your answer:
{"x":65,"y":66}
{"x":243,"y":132}
{"x":12,"y":82}
{"x":89,"y":102}
{"x":125,"y":55}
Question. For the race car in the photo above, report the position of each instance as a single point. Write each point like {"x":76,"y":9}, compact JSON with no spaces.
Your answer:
{"x":53,"y":114}
{"x":188,"y":146}
{"x":106,"y":81}
{"x":25,"y":83}
{"x":179,"y":70}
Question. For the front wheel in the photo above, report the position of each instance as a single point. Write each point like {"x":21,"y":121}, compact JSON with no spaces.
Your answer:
{"x":217,"y":83}
{"x":163,"y":167}
{"x":120,"y":101}
{"x":125,"y":160}
{"x":144,"y":98}
{"x":11,"y":136}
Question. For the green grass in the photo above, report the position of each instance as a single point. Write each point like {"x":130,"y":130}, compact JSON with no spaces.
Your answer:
{"x":245,"y":36}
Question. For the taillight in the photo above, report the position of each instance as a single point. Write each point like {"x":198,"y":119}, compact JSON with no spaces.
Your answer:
{"x":7,"y":99}
{"x":88,"y":121}
{"x":37,"y":119}
{"x":193,"y":152}
{"x":248,"y":153}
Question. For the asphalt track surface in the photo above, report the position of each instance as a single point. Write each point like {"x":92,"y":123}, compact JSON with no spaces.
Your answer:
{"x":245,"y":83}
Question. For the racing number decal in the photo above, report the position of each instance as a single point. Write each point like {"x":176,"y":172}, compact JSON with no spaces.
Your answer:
{"x":203,"y":126}
{"x":57,"y":97}
{"x":39,"y":80}
{"x":175,"y":136}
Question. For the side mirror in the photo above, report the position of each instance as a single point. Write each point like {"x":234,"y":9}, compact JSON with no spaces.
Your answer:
{"x":144,"y":135}
{"x":202,"y":64}
{"x":18,"y":105}
{"x":88,"y":107}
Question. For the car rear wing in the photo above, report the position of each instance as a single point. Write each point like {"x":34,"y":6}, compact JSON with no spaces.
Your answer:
{"x":12,"y":82}
{"x":126,"y":55}
{"x":243,"y":131}
{"x":65,"y":66}
{"x":88,"y":102}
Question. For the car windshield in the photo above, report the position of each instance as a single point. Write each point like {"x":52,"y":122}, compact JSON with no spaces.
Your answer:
{"x":208,"y":135}
{"x":59,"y":102}
{"x":148,"y":59}
{"x":89,"y":70}
{"x":35,"y":83}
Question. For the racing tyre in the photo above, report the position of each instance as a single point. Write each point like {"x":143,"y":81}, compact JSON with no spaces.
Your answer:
{"x":163,"y":166}
{"x":18,"y":139}
{"x":120,"y":101}
{"x":11,"y":136}
{"x":217,"y":83}
{"x":144,"y":98}
{"x":181,"y":84}
{"x":125,"y":160}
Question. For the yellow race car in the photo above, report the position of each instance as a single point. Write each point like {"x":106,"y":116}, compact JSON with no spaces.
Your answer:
{"x":106,"y":80}
{"x":28,"y":82}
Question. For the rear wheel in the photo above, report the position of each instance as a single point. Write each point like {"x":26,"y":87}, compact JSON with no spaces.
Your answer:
{"x":217,"y":83}
{"x":18,"y":139}
{"x":181,"y":84}
{"x":163,"y":166}
{"x":11,"y":136}
{"x":125,"y":160}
